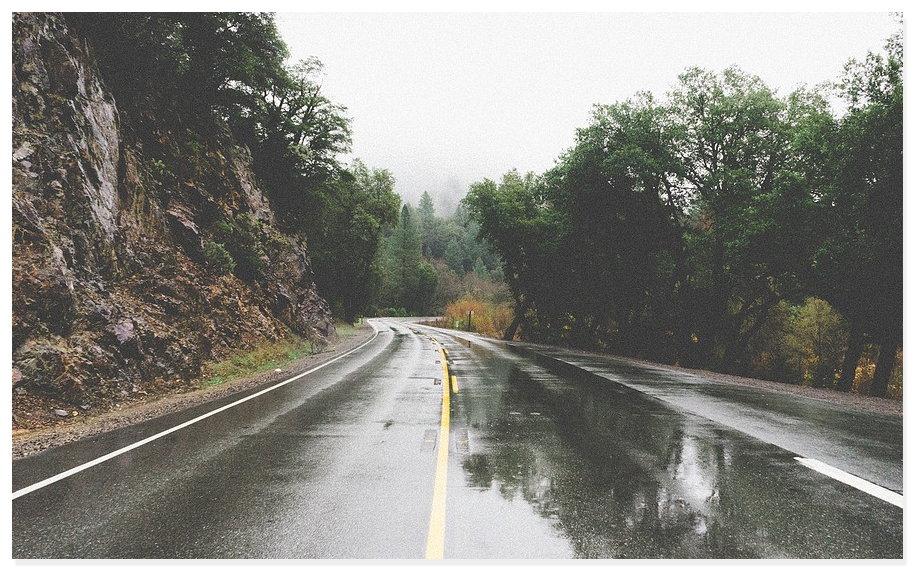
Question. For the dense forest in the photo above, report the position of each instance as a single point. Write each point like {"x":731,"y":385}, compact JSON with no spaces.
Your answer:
{"x":429,"y":262}
{"x":724,"y":226}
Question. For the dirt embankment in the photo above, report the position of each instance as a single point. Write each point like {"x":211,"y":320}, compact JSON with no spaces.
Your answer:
{"x":72,"y":428}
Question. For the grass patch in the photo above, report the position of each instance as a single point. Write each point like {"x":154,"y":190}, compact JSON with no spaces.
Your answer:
{"x":345,"y":329}
{"x":264,"y":357}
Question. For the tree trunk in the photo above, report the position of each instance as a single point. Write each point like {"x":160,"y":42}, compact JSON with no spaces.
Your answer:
{"x":520,"y":310}
{"x":717,"y":310}
{"x":885,"y":363}
{"x":512,"y":329}
{"x":852,"y":356}
{"x":736,"y":346}
{"x":682,"y":321}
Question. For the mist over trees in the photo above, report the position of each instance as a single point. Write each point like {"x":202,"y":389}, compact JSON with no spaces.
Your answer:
{"x":431,"y":261}
{"x":715,"y":227}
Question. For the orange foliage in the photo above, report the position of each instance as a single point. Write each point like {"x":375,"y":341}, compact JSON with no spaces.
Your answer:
{"x":488,"y":318}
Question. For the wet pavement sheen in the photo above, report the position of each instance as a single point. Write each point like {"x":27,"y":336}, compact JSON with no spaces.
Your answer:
{"x":617,"y":474}
{"x":546,"y":461}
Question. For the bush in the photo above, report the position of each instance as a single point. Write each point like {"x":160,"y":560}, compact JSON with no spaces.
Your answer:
{"x":488,"y":318}
{"x":246,"y":238}
{"x":264,"y":356}
{"x":393,"y":312}
{"x":218,"y":259}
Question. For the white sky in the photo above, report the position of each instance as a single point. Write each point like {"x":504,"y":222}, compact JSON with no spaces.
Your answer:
{"x":444,"y":100}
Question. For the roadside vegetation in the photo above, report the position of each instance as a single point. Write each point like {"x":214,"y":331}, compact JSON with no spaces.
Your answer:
{"x":266,"y":357}
{"x":471,"y":314}
{"x":724,"y":227}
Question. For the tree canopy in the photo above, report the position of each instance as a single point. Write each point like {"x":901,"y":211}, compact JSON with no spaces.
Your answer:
{"x":678,"y":229}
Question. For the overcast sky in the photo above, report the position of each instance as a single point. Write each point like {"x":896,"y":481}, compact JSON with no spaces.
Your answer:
{"x":444,"y":100}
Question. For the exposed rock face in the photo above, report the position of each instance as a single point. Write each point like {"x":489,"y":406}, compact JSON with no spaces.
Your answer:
{"x":113,"y":294}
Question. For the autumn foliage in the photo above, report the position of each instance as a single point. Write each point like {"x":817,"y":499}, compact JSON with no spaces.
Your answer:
{"x":488,"y":318}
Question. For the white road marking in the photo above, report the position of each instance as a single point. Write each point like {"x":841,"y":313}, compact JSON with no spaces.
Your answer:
{"x":110,"y":455}
{"x":853,"y":481}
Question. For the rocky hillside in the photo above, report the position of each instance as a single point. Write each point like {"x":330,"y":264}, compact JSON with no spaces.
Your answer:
{"x":143,"y":246}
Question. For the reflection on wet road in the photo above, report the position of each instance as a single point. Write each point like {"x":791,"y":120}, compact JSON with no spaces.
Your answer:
{"x":546,"y":460}
{"x":614,"y":473}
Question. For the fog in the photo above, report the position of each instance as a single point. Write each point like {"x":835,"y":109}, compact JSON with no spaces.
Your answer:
{"x":444,"y":100}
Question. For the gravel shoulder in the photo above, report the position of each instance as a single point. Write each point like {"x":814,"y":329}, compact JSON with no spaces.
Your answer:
{"x":848,"y":400}
{"x":28,"y":442}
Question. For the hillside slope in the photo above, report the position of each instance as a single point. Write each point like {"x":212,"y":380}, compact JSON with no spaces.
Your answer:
{"x":120,"y":283}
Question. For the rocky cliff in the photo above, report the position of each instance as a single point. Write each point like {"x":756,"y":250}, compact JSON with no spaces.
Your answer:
{"x":143,"y":246}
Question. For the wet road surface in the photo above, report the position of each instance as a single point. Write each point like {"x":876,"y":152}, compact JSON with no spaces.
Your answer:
{"x":548,"y":456}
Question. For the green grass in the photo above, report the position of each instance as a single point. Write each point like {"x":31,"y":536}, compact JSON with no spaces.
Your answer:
{"x":264,"y":357}
{"x":345,"y":329}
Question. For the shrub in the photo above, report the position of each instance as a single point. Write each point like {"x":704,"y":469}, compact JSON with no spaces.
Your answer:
{"x":218,"y":259}
{"x":244,"y":238}
{"x":262,"y":357}
{"x":488,"y":318}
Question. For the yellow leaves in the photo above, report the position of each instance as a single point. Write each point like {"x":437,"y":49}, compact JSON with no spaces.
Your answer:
{"x":487,"y":318}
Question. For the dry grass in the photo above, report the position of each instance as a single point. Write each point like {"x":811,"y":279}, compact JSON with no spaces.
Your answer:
{"x":267,"y":356}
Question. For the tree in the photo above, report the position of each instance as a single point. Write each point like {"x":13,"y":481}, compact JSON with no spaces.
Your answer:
{"x":859,"y":258}
{"x":616,"y":190}
{"x":411,"y":281}
{"x":296,"y":135}
{"x":516,"y":219}
{"x":345,"y":241}
{"x":435,"y":231}
{"x":732,"y":141}
{"x":210,"y":60}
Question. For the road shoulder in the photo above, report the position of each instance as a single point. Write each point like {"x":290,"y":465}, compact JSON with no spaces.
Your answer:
{"x":28,"y":442}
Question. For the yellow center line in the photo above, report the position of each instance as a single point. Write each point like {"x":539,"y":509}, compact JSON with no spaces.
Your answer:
{"x":454,"y":385}
{"x":435,"y":542}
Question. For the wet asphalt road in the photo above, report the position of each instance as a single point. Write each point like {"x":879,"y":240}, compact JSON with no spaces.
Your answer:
{"x":544,"y":460}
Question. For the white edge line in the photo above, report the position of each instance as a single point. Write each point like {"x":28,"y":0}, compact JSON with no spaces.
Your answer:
{"x":110,"y":455}
{"x":853,"y":481}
